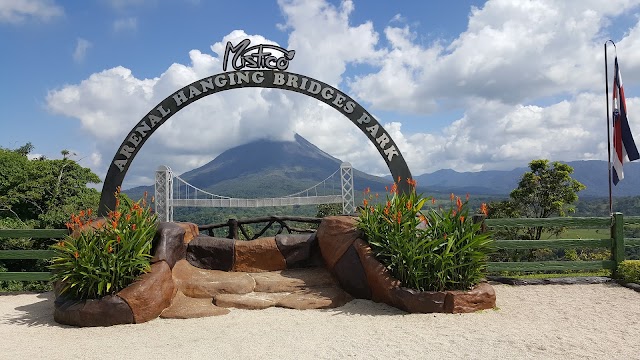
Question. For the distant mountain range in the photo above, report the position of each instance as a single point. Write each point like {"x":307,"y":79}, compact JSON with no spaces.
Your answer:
{"x":267,"y":168}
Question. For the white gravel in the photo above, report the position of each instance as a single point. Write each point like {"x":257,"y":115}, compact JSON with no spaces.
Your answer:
{"x":600,"y":321}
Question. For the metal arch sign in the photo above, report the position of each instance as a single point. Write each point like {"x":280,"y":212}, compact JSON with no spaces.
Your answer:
{"x":246,"y":79}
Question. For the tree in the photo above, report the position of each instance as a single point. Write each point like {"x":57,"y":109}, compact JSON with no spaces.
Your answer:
{"x":547,"y":190}
{"x":44,"y":192}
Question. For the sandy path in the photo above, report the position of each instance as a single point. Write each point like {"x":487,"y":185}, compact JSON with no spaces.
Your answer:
{"x":599,"y":321}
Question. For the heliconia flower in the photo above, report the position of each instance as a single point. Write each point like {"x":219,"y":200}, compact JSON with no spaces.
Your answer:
{"x":367,"y":190}
{"x":461,"y":218}
{"x":459,"y":203}
{"x":454,"y":212}
{"x":412,"y":182}
{"x":110,"y":249}
{"x":409,"y":205}
{"x":68,"y":225}
{"x":81,"y":214}
{"x":386,"y":211}
{"x":399,"y":217}
{"x":372,"y":209}
{"x":114,"y":224}
{"x":386,"y":188}
{"x":365,"y":202}
{"x":423,"y":219}
{"x":89,"y":212}
{"x":394,"y":189}
{"x":484,"y":209}
{"x":451,"y":196}
{"x":118,"y":239}
{"x":75,"y":254}
{"x":128,"y":217}
{"x":133,"y":227}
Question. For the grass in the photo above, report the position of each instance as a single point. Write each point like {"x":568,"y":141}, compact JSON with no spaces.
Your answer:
{"x":606,"y":273}
{"x":581,"y":234}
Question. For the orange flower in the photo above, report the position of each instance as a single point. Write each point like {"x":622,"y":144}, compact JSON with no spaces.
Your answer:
{"x":484,"y":209}
{"x":433,"y":201}
{"x":75,"y":254}
{"x":409,"y":205}
{"x":461,"y":218}
{"x":412,"y":182}
{"x":386,"y":188}
{"x":445,"y":236}
{"x":451,"y":196}
{"x":69,"y":226}
{"x":110,"y":249}
{"x":118,"y":239}
{"x":128,"y":217}
{"x":114,"y":224}
{"x":367,"y":190}
{"x":61,"y":244}
{"x":386,"y":211}
{"x":372,"y":209}
{"x":89,"y":212}
{"x":394,"y":189}
{"x":459,"y":203}
{"x":365,"y":202}
{"x":118,"y":214}
{"x":399,"y":217}
{"x":117,"y":203}
{"x":454,"y":212}
{"x":423,"y":219}
{"x":133,"y":227}
{"x":81,"y":214}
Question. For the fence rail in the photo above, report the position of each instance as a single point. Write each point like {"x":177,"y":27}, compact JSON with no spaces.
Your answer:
{"x":616,"y":243}
{"x":29,"y":254}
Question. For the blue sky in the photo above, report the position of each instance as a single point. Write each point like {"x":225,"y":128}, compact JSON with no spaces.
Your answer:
{"x":467,"y":85}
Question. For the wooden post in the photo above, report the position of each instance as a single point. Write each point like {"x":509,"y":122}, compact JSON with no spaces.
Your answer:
{"x":233,"y":229}
{"x":617,"y":235}
{"x":479,"y":218}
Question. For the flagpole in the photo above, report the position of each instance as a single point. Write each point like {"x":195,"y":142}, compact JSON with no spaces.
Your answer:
{"x":606,"y":94}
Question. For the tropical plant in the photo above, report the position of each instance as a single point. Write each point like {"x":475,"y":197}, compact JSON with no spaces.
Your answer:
{"x":442,"y":250}
{"x":103,"y":257}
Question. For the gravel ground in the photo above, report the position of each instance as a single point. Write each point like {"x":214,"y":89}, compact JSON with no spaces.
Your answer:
{"x":594,"y":321}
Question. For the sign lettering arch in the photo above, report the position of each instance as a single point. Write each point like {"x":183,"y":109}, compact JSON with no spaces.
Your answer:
{"x":241,"y":79}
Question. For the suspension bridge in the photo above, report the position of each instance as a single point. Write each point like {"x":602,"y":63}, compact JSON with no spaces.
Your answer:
{"x":172,"y":191}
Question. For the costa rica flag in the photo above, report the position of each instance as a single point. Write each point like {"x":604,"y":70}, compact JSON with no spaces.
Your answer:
{"x":624,"y":147}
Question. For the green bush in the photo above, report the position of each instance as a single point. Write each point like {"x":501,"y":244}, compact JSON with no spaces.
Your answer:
{"x":629,"y":271}
{"x":442,"y":250}
{"x":96,"y":262}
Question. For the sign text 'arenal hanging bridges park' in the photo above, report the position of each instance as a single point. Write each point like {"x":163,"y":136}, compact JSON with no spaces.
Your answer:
{"x":516,"y":226}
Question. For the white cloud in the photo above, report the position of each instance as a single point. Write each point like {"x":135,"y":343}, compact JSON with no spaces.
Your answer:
{"x":18,"y":11}
{"x":526,"y":76}
{"x":125,"y":24}
{"x":82,"y":46}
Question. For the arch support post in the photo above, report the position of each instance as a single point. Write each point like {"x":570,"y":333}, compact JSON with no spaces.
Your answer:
{"x":348,"y":200}
{"x":164,"y":193}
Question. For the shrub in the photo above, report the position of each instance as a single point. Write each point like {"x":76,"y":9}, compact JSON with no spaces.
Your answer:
{"x":96,"y":262}
{"x":442,"y":250}
{"x":629,"y":271}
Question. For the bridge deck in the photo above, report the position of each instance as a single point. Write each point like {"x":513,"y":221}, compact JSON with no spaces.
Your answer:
{"x":237,"y":202}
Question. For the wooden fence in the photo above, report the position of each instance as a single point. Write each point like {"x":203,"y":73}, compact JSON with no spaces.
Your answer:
{"x":29,"y":254}
{"x":616,"y":242}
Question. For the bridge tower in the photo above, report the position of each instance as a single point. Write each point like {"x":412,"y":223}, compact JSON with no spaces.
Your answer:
{"x":348,"y":199}
{"x":164,"y":193}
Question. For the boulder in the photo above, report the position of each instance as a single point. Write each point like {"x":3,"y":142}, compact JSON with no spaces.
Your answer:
{"x":414,"y":301}
{"x":190,"y":231}
{"x":183,"y":307}
{"x":481,"y":297}
{"x":335,"y":234}
{"x":211,"y":253}
{"x":168,"y":244}
{"x":201,"y":283}
{"x":380,"y":280}
{"x":151,"y":293}
{"x":318,"y":298}
{"x":299,"y":250}
{"x":351,"y":274}
{"x":107,"y":311}
{"x":251,"y":301}
{"x":291,"y":280}
{"x":258,"y":255}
